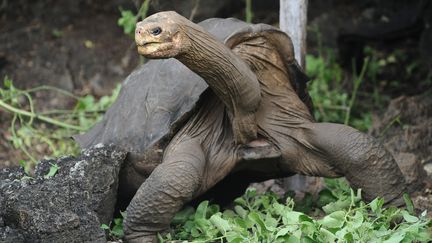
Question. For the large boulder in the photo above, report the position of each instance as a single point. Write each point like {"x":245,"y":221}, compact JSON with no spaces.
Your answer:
{"x":67,"y":207}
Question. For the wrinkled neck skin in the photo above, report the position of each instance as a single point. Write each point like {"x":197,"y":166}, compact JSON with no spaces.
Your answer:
{"x":226,"y":74}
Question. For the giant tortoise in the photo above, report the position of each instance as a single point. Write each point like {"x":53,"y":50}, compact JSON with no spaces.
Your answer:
{"x":253,"y":121}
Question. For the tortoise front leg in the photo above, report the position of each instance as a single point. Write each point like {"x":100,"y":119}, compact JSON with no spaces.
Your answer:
{"x":364,"y":162}
{"x":173,"y":183}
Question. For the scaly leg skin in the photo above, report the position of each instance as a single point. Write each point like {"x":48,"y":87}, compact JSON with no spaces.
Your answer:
{"x":364,"y":162}
{"x":173,"y":183}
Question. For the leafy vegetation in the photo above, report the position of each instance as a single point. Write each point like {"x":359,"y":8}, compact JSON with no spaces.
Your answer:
{"x":128,"y":19}
{"x":332,"y":102}
{"x":115,"y":229}
{"x":268,"y":218}
{"x":37,"y":132}
{"x":337,"y":215}
{"x":52,"y":171}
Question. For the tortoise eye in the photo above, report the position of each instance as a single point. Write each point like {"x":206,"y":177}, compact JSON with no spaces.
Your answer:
{"x":156,"y":31}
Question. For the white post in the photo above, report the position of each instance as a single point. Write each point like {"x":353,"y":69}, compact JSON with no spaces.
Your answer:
{"x":293,"y":20}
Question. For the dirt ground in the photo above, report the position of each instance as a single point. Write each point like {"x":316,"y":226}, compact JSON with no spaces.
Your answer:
{"x":73,"y":45}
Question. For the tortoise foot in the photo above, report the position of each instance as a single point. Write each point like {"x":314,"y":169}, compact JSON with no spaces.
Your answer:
{"x":259,"y":149}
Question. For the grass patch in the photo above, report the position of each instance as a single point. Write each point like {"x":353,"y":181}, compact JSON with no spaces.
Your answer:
{"x":269,"y":218}
{"x":46,"y":134}
{"x":332,"y":101}
{"x":337,"y":215}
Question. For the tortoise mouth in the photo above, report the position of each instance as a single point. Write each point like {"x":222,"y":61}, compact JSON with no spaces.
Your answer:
{"x":155,"y":49}
{"x":148,"y":47}
{"x":144,"y":44}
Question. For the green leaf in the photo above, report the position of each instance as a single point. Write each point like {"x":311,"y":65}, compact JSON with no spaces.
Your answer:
{"x":376,"y":205}
{"x":53,"y":170}
{"x":220,"y":223}
{"x":409,"y":218}
{"x":279,"y":209}
{"x":23,"y":163}
{"x":305,"y":218}
{"x":308,"y":228}
{"x":236,"y":240}
{"x":305,"y":205}
{"x":233,"y":236}
{"x":241,"y":201}
{"x":201,"y":211}
{"x":357,"y":220}
{"x":396,"y":237}
{"x":291,"y":217}
{"x":282,"y":232}
{"x":308,"y":239}
{"x":212,"y":209}
{"x":123,"y":214}
{"x":127,"y":21}
{"x":292,"y":239}
{"x":86,"y":103}
{"x":57,"y":33}
{"x":202,"y":223}
{"x":336,"y":206}
{"x":409,"y":203}
{"x":270,"y":222}
{"x":334,"y":220}
{"x":325,"y":197}
{"x":195,"y":232}
{"x":105,"y":227}
{"x":182,"y":216}
{"x":256,"y":218}
{"x":240,"y":211}
{"x":251,"y":192}
{"x":117,"y":230}
{"x":242,"y":223}
{"x":118,"y":221}
{"x":7,"y":82}
{"x":229,"y":214}
{"x":327,"y":236}
{"x":349,"y":237}
{"x":189,"y":225}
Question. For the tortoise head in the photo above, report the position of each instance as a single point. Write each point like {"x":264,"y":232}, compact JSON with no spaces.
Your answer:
{"x":161,"y":35}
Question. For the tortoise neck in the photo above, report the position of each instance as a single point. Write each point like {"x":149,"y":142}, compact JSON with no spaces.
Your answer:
{"x":210,"y":59}
{"x":228,"y":76}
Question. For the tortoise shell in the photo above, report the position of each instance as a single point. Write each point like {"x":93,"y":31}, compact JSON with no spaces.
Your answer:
{"x":158,"y":98}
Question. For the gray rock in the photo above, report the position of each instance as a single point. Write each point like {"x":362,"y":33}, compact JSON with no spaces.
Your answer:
{"x":68,"y":207}
{"x":406,"y":130}
{"x":411,"y":168}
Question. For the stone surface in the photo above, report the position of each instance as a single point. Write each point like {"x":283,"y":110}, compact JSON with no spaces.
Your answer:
{"x":68,"y":207}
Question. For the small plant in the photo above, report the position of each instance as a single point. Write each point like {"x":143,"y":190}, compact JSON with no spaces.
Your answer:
{"x":52,"y":171}
{"x":268,"y":218}
{"x":249,"y":12}
{"x":48,"y":133}
{"x":128,"y":19}
{"x":332,"y":102}
{"x":115,"y":229}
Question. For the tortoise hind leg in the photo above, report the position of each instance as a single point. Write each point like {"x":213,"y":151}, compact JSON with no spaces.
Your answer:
{"x":363,"y":161}
{"x":173,"y":183}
